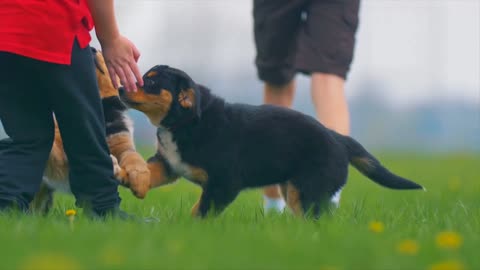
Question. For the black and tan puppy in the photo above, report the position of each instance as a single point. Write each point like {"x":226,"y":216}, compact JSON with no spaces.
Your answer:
{"x":227,"y":147}
{"x":130,"y":168}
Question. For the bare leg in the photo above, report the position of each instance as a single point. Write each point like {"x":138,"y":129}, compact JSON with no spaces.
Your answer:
{"x":279,"y":95}
{"x":328,"y":96}
{"x":282,"y":96}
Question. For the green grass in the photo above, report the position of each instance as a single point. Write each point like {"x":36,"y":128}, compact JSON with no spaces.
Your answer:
{"x":244,"y":238}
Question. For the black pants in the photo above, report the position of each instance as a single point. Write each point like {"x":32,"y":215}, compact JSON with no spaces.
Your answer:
{"x":30,"y":92}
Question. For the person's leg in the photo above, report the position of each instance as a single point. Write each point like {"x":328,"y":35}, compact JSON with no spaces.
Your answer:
{"x":276,"y":24}
{"x":28,"y":121}
{"x":281,"y":96}
{"x":330,"y":30}
{"x":76,"y":102}
{"x":328,"y":96}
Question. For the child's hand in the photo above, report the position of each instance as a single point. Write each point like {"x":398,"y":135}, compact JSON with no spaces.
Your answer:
{"x":121,"y":58}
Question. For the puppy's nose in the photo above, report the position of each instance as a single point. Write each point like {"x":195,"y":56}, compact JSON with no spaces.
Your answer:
{"x":121,"y":90}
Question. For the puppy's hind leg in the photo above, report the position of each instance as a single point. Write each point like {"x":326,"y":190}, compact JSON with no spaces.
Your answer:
{"x":214,"y":201}
{"x":293,"y":197}
{"x":315,"y":191}
{"x":283,"y":190}
{"x":315,"y":204}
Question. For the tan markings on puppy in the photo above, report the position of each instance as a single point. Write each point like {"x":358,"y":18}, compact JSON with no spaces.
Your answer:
{"x":104,"y":82}
{"x":194,"y":211}
{"x":135,"y":173}
{"x":155,"y":107}
{"x":119,"y":143}
{"x":158,"y":175}
{"x":197,"y":174}
{"x":293,"y":199}
{"x":138,"y":174}
{"x":152,"y":74}
{"x":56,"y":170}
{"x":283,"y":190}
{"x":186,"y":98}
{"x":363,"y":162}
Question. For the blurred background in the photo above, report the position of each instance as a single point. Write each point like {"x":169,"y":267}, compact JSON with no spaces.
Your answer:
{"x":414,"y":84}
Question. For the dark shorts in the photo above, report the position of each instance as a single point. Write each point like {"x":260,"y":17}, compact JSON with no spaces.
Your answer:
{"x":304,"y":36}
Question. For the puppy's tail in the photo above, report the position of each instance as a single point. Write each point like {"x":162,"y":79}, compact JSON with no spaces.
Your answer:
{"x":369,"y":166}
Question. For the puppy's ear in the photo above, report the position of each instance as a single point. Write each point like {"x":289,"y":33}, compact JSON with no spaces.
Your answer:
{"x":189,"y":96}
{"x":186,"y":98}
{"x":190,"y":99}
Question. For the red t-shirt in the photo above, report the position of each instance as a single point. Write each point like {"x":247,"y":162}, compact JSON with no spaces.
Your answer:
{"x":44,"y":29}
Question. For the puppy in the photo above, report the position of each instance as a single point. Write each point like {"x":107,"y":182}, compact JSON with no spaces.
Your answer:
{"x":226,"y":147}
{"x":129,"y":167}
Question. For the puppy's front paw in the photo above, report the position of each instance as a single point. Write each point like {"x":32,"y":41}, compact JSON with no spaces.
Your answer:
{"x":137,"y":174}
{"x":139,"y":179}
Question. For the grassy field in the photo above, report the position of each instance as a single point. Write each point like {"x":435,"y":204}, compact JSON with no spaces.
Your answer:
{"x":375,"y":228}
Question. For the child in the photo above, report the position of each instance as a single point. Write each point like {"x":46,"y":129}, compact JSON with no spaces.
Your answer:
{"x":46,"y":67}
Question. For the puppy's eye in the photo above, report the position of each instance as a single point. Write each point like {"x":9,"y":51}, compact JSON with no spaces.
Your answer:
{"x":149,"y":83}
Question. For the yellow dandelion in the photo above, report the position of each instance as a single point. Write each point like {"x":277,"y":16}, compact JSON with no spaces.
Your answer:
{"x":449,"y":240}
{"x":447,"y":265}
{"x":376,"y":226}
{"x":70,"y":212}
{"x":49,"y":261}
{"x":408,"y":247}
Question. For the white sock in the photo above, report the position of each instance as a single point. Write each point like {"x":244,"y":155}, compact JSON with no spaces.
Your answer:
{"x":278,"y":204}
{"x":273,"y":204}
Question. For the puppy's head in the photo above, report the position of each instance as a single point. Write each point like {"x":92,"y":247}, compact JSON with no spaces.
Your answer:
{"x":168,"y":95}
